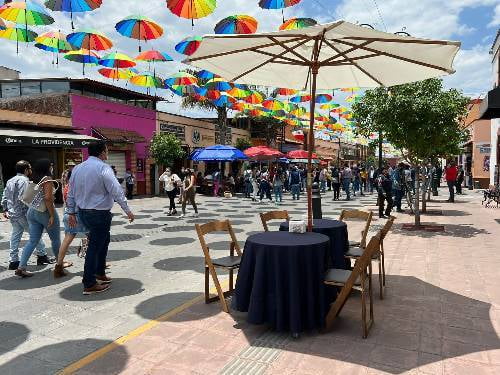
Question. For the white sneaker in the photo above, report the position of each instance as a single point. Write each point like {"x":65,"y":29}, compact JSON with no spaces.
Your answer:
{"x":182,"y":216}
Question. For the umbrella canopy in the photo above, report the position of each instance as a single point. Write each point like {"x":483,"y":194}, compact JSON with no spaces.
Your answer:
{"x":25,"y":13}
{"x":73,"y":6}
{"x":55,"y":40}
{"x":181,"y":79}
{"x":240,"y":24}
{"x":117,"y":73}
{"x":146,"y":79}
{"x":286,"y":92}
{"x":18,"y":34}
{"x":298,"y":23}
{"x":218,"y":153}
{"x":323,"y":57}
{"x":189,"y":45}
{"x":224,"y":99}
{"x":117,"y":60}
{"x":140,"y":28}
{"x":262,"y":153}
{"x":205,"y":74}
{"x":218,"y":84}
{"x":299,"y":154}
{"x":191,"y":9}
{"x":89,"y":39}
{"x":277,"y":4}
{"x":83,"y":56}
{"x":153,"y":56}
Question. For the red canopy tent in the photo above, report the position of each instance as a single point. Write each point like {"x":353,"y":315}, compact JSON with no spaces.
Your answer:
{"x":262,"y":153}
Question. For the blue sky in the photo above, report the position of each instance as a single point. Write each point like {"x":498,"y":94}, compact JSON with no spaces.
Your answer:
{"x":473,"y":22}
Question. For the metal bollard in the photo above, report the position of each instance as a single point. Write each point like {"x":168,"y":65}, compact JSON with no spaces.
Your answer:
{"x":316,"y":202}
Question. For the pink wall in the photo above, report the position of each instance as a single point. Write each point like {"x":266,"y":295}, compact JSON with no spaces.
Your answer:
{"x":89,"y":112}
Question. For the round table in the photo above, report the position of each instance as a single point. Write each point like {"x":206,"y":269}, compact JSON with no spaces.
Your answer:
{"x":336,"y":230}
{"x":280,"y":280}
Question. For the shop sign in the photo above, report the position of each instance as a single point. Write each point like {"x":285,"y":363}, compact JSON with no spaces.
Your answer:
{"x":6,"y":140}
{"x":196,"y":137}
{"x":140,"y":166}
{"x":484,"y":148}
{"x":208,"y":138}
{"x":178,"y":131}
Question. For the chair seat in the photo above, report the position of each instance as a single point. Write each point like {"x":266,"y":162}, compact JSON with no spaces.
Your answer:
{"x":357,"y":252}
{"x":354,"y":243}
{"x":340,"y":276}
{"x":228,"y":262}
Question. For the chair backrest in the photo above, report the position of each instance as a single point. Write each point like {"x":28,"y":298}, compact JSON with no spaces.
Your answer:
{"x":217,"y":226}
{"x":273,"y":215}
{"x":358,"y":272}
{"x":387,"y":227}
{"x":359,"y":215}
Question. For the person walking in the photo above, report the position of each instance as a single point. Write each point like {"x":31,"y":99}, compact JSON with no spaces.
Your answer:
{"x":247,"y":175}
{"x":265,"y":186}
{"x":384,"y":193}
{"x":398,"y":186}
{"x":346,"y":176}
{"x":322,"y":180}
{"x":129,"y":183}
{"x":41,"y":214}
{"x":356,"y":179}
{"x":217,"y":179}
{"x":94,"y":189}
{"x":181,"y":189}
{"x":15,"y":211}
{"x":255,"y":185}
{"x":278,"y":186}
{"x":336,"y":183}
{"x":460,"y":179}
{"x":451,"y":174}
{"x":171,"y":184}
{"x":371,"y":178}
{"x":189,"y":192}
{"x":295,"y":183}
{"x":363,"y":174}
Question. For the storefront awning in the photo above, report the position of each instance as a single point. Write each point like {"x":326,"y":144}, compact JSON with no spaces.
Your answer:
{"x":41,"y":138}
{"x":490,"y":106}
{"x":116,"y":135}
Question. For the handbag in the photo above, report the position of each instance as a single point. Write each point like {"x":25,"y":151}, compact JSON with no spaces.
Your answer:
{"x":32,"y":190}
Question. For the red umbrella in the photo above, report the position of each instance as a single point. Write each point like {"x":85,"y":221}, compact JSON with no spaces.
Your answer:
{"x":300,"y":156}
{"x":262,"y":153}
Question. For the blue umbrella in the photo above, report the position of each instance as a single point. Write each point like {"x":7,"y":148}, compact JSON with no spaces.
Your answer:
{"x":218,"y":153}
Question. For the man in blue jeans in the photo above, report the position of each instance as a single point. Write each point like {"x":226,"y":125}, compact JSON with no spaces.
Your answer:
{"x":295,"y":182}
{"x":15,"y":211}
{"x":94,"y":189}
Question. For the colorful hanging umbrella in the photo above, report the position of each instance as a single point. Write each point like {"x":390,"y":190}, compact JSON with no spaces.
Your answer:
{"x":299,"y":155}
{"x":153,"y":56}
{"x":323,"y":98}
{"x":73,"y":6}
{"x":191,"y":9}
{"x":272,"y":104}
{"x":181,"y":79}
{"x":205,"y":74}
{"x":254,"y":98}
{"x":83,"y":56}
{"x":213,"y":94}
{"x":218,"y":84}
{"x":224,"y":99}
{"x":25,"y":13}
{"x":301,"y":98}
{"x":55,"y":42}
{"x":140,"y":28}
{"x":286,"y":92}
{"x":146,"y":79}
{"x":189,"y":45}
{"x":278,"y":4}
{"x":261,"y":153}
{"x":255,"y":113}
{"x":239,"y":92}
{"x":238,"y":106}
{"x":19,"y":35}
{"x":89,"y":39}
{"x":117,"y":73}
{"x":117,"y":61}
{"x":298,"y":23}
{"x":239,"y":24}
{"x":330,"y":106}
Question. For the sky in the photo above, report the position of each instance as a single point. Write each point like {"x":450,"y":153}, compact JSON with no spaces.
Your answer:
{"x":473,"y":22}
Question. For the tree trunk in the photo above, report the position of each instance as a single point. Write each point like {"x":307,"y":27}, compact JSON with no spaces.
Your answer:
{"x":221,"y":128}
{"x":416,"y":204}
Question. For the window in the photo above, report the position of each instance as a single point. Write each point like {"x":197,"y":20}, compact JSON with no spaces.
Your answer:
{"x":11,"y":90}
{"x":30,"y":87}
{"x":54,"y":86}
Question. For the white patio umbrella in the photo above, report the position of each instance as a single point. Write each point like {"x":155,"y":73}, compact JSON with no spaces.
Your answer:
{"x":324,"y":57}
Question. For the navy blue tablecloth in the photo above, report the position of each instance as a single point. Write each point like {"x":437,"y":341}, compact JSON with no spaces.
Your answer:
{"x":280,"y":280}
{"x":336,"y":230}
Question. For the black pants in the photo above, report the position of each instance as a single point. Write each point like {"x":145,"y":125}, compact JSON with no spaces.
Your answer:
{"x":451,"y":188}
{"x":99,"y":224}
{"x":171,"y":196}
{"x":130,"y":191}
{"x":458,"y":185}
{"x":336,"y":191}
{"x":381,"y":202}
{"x":265,"y":189}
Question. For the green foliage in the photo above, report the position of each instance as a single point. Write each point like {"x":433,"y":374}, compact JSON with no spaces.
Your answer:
{"x":165,"y":148}
{"x":243,"y":143}
{"x":420,"y":119}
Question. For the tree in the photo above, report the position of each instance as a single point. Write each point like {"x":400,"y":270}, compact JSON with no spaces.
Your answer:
{"x":243,"y":143}
{"x":268,"y":128}
{"x":420,"y":119}
{"x":165,"y":149}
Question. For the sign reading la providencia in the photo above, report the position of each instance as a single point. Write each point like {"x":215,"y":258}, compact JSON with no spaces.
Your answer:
{"x":26,"y":141}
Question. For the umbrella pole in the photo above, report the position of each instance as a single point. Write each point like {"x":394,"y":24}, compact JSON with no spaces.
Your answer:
{"x":314,"y":72}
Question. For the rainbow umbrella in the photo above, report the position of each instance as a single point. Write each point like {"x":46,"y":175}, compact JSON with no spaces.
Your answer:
{"x":323,"y":98}
{"x":238,"y":92}
{"x":181,"y":79}
{"x":272,"y":104}
{"x":224,"y":99}
{"x":191,"y":9}
{"x":298,"y":23}
{"x":146,"y":79}
{"x":254,"y":98}
{"x":278,"y":4}
{"x":73,"y":6}
{"x":19,"y":35}
{"x":286,"y":92}
{"x":140,"y":28}
{"x":239,"y":24}
{"x":25,"y":13}
{"x":301,"y":98}
{"x":84,"y":57}
{"x":89,"y":39}
{"x":117,"y":73}
{"x":218,"y":84}
{"x":153,"y":56}
{"x":182,"y":90}
{"x":255,"y":113}
{"x":205,"y":74}
{"x":329,"y":106}
{"x":238,"y":106}
{"x":189,"y":45}
{"x":55,"y":42}
{"x":213,"y":94}
{"x":117,"y":60}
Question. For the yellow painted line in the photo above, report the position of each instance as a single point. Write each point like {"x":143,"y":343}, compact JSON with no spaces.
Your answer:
{"x":136,"y":332}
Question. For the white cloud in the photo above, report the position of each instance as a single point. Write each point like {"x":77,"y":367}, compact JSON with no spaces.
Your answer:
{"x":495,"y":21}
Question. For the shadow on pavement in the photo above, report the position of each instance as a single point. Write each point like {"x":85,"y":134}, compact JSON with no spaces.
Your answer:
{"x":187,"y":263}
{"x":120,"y":287}
{"x":51,"y":358}
{"x":455,"y":213}
{"x":154,"y":307}
{"x":450,"y":230}
{"x":116,"y":255}
{"x":41,"y":279}
{"x":13,"y":335}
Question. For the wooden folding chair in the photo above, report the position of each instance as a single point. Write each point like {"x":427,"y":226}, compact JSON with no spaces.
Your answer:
{"x":358,"y":215}
{"x":356,"y":279}
{"x":273,"y":215}
{"x":356,"y":252}
{"x":230,"y":263}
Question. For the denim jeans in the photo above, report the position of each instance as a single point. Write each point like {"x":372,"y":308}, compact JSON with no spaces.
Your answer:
{"x":295,"y":191}
{"x":398,"y":197}
{"x":18,"y":227}
{"x":99,"y":225}
{"x":38,"y":221}
{"x":451,"y":188}
{"x":322,"y":186}
{"x":346,"y":184}
{"x":278,"y":193}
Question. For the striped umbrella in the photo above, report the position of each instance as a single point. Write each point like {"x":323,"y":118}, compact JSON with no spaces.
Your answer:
{"x":278,"y":4}
{"x":298,"y":23}
{"x":181,"y":79}
{"x":25,"y":13}
{"x":153,"y":56}
{"x":205,"y":74}
{"x":73,"y":6}
{"x":254,"y":98}
{"x":55,"y":42}
{"x":239,"y":92}
{"x":90,"y":39}
{"x":19,"y":35}
{"x":117,"y":60}
{"x":323,"y":98}
{"x":239,"y":24}
{"x":218,"y":84}
{"x":189,"y":45}
{"x":286,"y":92}
{"x":146,"y":79}
{"x":117,"y":74}
{"x":83,"y":56}
{"x":224,"y":99}
{"x":272,"y":104}
{"x":301,"y":98}
{"x":191,"y":9}
{"x":140,"y":28}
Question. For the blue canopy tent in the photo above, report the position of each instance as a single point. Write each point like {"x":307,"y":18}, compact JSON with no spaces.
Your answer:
{"x":218,"y":153}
